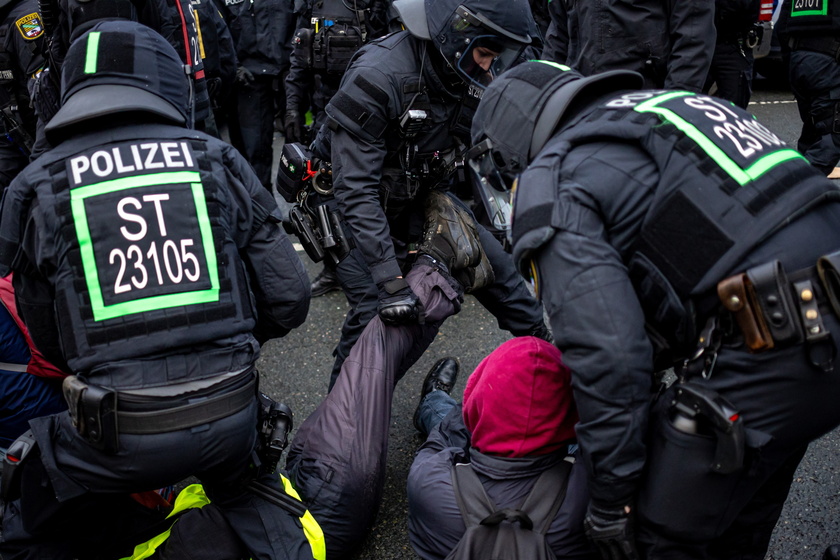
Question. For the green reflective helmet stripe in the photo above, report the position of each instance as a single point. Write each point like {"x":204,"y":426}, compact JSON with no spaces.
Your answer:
{"x":741,"y":175}
{"x":557,"y":65}
{"x":808,"y":8}
{"x":92,"y":52}
{"x":101,"y":312}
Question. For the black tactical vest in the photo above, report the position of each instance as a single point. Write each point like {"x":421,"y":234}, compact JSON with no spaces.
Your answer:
{"x":726,"y":184}
{"x":815,"y":17}
{"x":144,"y":260}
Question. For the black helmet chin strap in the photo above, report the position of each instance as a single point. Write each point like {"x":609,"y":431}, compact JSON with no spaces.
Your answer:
{"x":191,"y":107}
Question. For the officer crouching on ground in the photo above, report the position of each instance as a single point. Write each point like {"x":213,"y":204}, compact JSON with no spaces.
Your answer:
{"x":662,"y":224}
{"x":149,"y":263}
{"x":398,"y":125}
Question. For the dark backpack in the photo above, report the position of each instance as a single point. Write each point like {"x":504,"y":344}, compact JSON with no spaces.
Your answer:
{"x":508,"y":533}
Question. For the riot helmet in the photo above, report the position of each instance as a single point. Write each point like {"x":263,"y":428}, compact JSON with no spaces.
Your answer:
{"x":518,"y":114}
{"x":478,"y":39}
{"x":120,"y":67}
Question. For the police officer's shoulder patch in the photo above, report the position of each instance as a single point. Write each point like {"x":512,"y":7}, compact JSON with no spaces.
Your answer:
{"x":30,"y":26}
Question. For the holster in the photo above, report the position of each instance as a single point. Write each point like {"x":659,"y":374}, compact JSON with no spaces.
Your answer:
{"x":828,"y":269}
{"x":762,"y":303}
{"x":93,"y":411}
{"x":775,"y":299}
{"x":738,"y":298}
{"x":301,"y":225}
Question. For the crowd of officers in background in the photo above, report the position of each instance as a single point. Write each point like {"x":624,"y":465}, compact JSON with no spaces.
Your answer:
{"x":267,"y":66}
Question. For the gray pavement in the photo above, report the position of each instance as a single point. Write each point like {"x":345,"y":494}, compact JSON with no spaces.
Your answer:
{"x":296,"y":369}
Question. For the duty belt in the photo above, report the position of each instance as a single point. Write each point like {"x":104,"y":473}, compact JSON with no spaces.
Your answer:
{"x":185,"y":416}
{"x":767,"y":309}
{"x":772,"y":309}
{"x":100,"y":414}
{"x":824,"y":45}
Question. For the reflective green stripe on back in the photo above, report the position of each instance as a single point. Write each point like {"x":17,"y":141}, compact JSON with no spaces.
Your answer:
{"x":743,"y":148}
{"x":163,"y":264}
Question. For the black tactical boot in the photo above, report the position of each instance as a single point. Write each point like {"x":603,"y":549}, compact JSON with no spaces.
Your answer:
{"x":441,"y":377}
{"x":449,"y":234}
{"x":832,"y":552}
{"x":325,"y":282}
{"x":478,"y":276}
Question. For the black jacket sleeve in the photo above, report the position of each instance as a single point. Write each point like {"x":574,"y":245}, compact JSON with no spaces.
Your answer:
{"x":277,"y":276}
{"x":557,"y":36}
{"x":595,"y":316}
{"x":362,"y":110}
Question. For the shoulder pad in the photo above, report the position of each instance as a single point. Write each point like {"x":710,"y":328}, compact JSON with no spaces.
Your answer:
{"x":363,"y":103}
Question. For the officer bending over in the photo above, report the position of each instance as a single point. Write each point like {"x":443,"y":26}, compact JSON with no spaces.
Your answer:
{"x":658,"y":236}
{"x":149,"y":263}
{"x":398,"y":125}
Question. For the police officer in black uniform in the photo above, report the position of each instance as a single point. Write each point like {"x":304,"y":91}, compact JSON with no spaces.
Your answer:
{"x":218,"y":53}
{"x":149,"y":263}
{"x":670,"y":228}
{"x":398,"y":124}
{"x":732,"y":64}
{"x":812,"y":31}
{"x":329,"y":34}
{"x":64,"y":20}
{"x":21,"y":39}
{"x":669,"y":43}
{"x":262,"y":32}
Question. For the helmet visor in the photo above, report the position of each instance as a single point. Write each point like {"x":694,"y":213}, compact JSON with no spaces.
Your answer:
{"x":485,"y":57}
{"x":491,"y":185}
{"x":486,"y":49}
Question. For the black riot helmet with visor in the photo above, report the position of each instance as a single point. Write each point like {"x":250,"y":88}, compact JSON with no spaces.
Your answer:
{"x":478,"y":39}
{"x":519,"y":113}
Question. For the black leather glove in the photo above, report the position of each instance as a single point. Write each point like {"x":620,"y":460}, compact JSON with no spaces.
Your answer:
{"x":611,"y":531}
{"x":398,"y":304}
{"x":244,"y":76}
{"x":294,"y":124}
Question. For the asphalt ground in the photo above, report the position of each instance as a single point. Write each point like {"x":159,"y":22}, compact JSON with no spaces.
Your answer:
{"x":296,"y":370}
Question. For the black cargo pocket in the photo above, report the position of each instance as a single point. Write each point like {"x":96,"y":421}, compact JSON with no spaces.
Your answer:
{"x":681,"y":497}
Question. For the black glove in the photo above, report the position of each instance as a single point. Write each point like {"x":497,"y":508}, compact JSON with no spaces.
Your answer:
{"x":294,"y":124}
{"x":398,"y":304}
{"x":611,"y":531}
{"x":244,"y":76}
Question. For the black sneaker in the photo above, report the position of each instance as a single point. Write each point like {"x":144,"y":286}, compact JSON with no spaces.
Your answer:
{"x":832,"y":552}
{"x":325,"y":282}
{"x":441,"y":377}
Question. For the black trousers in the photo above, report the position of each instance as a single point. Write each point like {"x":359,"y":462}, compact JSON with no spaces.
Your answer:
{"x":71,"y":478}
{"x":732,"y":71}
{"x":688,"y":512}
{"x":253,"y":132}
{"x":815,"y":82}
